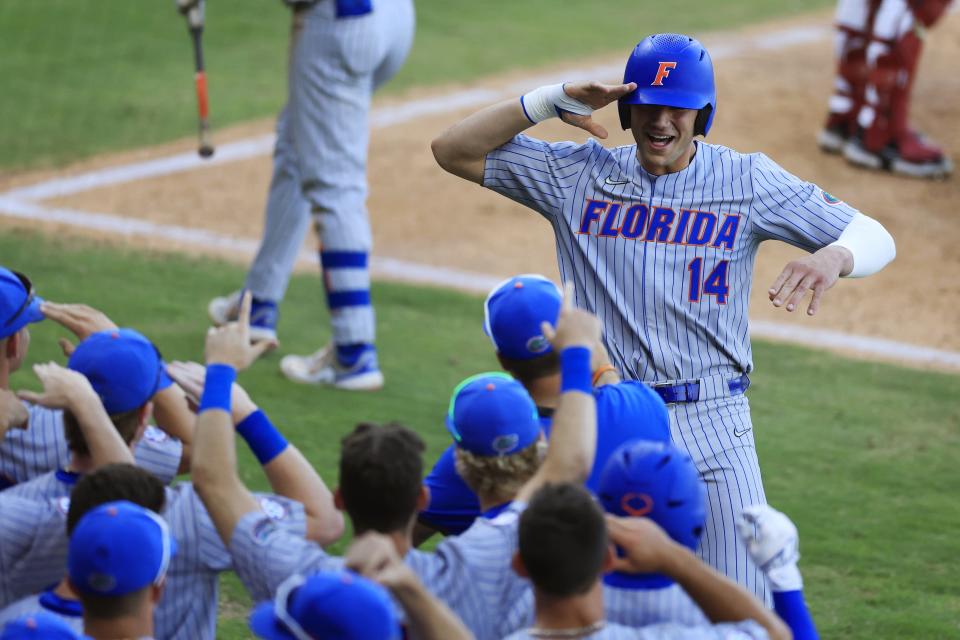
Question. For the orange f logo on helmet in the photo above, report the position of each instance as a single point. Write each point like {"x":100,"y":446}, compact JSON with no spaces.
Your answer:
{"x":662,"y":73}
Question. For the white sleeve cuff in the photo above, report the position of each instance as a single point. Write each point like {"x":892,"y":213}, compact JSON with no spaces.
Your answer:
{"x":872,"y":246}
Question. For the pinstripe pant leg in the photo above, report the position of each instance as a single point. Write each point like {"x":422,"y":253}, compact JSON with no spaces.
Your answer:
{"x":286,"y":224}
{"x":728,"y":465}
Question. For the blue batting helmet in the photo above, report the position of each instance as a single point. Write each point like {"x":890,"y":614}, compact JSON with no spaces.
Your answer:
{"x":658,"y":481}
{"x":672,"y":70}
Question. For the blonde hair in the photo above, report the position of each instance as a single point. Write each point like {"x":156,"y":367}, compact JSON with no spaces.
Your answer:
{"x":500,"y":477}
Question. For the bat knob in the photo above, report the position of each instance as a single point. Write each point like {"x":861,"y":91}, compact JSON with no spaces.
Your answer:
{"x":205,"y":151}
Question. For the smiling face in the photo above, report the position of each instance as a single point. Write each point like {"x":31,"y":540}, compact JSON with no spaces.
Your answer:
{"x":664,"y":137}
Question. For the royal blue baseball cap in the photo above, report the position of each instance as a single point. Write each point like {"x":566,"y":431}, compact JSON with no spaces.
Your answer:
{"x":119,"y":548}
{"x":331,"y":605}
{"x":514,"y":311}
{"x":656,"y":480}
{"x":19,"y":305}
{"x":124,"y":368}
{"x":37,"y":626}
{"x":491,"y":414}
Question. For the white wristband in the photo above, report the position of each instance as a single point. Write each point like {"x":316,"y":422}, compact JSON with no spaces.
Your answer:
{"x":871,"y":245}
{"x":548,"y":101}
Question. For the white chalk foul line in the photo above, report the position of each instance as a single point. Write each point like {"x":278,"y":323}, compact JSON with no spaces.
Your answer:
{"x":21,"y":203}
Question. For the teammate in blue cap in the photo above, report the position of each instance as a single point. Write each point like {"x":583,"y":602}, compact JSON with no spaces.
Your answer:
{"x":43,"y":447}
{"x":117,"y":563}
{"x":514,"y":313}
{"x":38,"y":626}
{"x":660,"y":239}
{"x":381,"y":487}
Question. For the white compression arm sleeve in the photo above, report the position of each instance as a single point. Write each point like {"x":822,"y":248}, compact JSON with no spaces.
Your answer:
{"x":871,"y":245}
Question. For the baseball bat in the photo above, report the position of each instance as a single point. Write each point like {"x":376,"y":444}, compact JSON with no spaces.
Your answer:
{"x":195,"y":21}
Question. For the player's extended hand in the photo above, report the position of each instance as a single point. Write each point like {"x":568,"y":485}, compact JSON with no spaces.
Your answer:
{"x":190,"y":377}
{"x":373,"y":555}
{"x":83,"y":320}
{"x":772,"y":540}
{"x":230,"y":344}
{"x":819,"y":271}
{"x":13,"y":415}
{"x":575,"y":327}
{"x":595,"y":95}
{"x":648,"y":549}
{"x":62,"y":388}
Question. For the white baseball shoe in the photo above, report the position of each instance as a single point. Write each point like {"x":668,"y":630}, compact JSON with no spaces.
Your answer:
{"x":773,"y":543}
{"x":263,"y":315}
{"x":323,"y":368}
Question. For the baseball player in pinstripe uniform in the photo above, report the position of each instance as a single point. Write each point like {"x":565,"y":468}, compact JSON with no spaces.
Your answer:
{"x":513,"y":314}
{"x":381,"y":488}
{"x":565,"y":546}
{"x":33,"y":546}
{"x":341,"y":51}
{"x":41,"y":446}
{"x":660,"y":238}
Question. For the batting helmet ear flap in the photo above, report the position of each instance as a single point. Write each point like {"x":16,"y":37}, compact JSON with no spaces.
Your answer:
{"x":703,"y":117}
{"x":624,"y":114}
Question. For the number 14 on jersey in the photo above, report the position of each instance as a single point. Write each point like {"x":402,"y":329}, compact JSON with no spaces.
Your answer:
{"x":715,"y":284}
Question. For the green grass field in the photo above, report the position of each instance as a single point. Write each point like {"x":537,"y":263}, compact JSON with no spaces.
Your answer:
{"x":86,"y":76}
{"x":862,"y":456}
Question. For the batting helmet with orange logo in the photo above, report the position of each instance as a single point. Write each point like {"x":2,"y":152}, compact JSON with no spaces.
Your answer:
{"x":671,"y":70}
{"x":658,"y":481}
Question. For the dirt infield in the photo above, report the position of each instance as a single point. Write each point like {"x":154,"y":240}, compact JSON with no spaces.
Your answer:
{"x":769,"y":100}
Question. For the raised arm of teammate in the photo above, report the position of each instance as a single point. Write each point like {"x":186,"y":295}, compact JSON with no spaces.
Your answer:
{"x":461,"y":149}
{"x":66,"y":389}
{"x":374,"y":556}
{"x":573,"y":439}
{"x":214,"y":467}
{"x":648,"y":549}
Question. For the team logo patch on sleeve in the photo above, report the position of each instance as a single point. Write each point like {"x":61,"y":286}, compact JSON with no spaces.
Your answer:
{"x":262,"y":530}
{"x":153,"y":434}
{"x":274,"y":509}
{"x":829,"y":198}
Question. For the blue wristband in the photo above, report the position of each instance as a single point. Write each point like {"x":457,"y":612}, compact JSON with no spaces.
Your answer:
{"x":262,"y":437}
{"x":216,"y":387}
{"x":575,"y":374}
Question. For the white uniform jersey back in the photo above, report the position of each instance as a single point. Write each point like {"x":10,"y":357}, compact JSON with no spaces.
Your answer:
{"x":188,"y":609}
{"x":33,"y":545}
{"x":736,"y":631}
{"x":42,"y":447}
{"x":470,"y":573}
{"x":69,"y":611}
{"x":666,"y":262}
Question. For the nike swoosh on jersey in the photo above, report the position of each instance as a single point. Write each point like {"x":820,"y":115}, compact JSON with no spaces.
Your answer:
{"x":607,"y":180}
{"x":740,"y":432}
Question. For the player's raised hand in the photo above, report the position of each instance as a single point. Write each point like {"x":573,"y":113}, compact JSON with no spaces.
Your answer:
{"x":646,"y":547}
{"x":83,"y":320}
{"x":230,"y":344}
{"x":190,"y":377}
{"x":13,"y":415}
{"x":817,"y":272}
{"x":62,"y":387}
{"x":575,"y":327}
{"x":595,"y":95}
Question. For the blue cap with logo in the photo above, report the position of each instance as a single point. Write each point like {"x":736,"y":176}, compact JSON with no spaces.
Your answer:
{"x":329,"y":605}
{"x":514,"y":311}
{"x":119,"y":548}
{"x":36,"y":626}
{"x":19,"y":305}
{"x":659,"y":481}
{"x":491,"y":414}
{"x":124,"y":368}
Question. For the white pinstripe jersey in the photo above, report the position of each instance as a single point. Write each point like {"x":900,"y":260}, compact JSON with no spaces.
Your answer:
{"x":626,"y":606}
{"x":33,"y":545}
{"x":737,"y":631}
{"x":470,"y":573}
{"x":42,"y":447}
{"x":666,"y":262}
